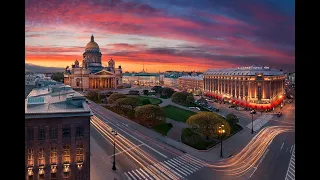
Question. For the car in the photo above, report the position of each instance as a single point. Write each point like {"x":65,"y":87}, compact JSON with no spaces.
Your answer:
{"x":253,"y":112}
{"x":232,"y":106}
{"x":216,"y":109}
{"x":279,"y":114}
{"x":87,"y":102}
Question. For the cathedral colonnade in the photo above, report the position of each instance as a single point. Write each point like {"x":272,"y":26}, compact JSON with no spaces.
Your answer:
{"x":101,"y":83}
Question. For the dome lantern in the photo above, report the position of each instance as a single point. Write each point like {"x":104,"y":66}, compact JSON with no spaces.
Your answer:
{"x":92,"y":46}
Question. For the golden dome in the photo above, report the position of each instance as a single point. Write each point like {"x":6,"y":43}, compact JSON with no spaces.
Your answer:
{"x":92,"y":46}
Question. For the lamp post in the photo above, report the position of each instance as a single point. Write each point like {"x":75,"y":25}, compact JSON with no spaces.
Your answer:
{"x":252,"y":122}
{"x":114,"y":150}
{"x":221,"y":131}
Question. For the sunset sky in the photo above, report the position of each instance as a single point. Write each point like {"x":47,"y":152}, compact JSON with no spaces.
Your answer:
{"x":183,"y":35}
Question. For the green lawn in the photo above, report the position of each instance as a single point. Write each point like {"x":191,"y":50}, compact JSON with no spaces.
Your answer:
{"x":152,"y":100}
{"x":177,"y":114}
{"x":194,"y":140}
{"x":162,"y":128}
{"x":234,"y":129}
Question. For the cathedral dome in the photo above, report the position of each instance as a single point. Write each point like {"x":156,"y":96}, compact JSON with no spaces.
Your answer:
{"x":92,"y":46}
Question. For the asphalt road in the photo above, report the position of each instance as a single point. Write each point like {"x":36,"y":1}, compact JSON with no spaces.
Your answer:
{"x":277,"y":157}
{"x":274,"y":164}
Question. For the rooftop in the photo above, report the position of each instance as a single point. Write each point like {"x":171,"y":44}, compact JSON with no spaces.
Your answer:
{"x":55,"y":101}
{"x":245,"y":71}
{"x":199,"y":77}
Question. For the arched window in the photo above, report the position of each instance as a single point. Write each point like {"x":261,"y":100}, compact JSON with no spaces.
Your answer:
{"x":78,"y":82}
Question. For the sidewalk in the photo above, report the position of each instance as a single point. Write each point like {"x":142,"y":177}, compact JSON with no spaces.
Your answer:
{"x":175,"y":132}
{"x":100,"y":164}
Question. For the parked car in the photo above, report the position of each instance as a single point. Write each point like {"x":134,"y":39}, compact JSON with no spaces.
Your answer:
{"x":232,"y":106}
{"x":216,"y":109}
{"x":279,"y":114}
{"x":253,"y":112}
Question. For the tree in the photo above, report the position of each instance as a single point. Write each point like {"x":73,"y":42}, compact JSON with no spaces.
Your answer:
{"x":59,"y":77}
{"x":146,"y":92}
{"x":145,"y":102}
{"x":126,"y":104}
{"x":150,"y":115}
{"x":207,"y":124}
{"x":189,"y":99}
{"x":183,"y":98}
{"x":167,"y":92}
{"x":93,"y":95}
{"x":157,"y":89}
{"x":114,"y":96}
{"x":232,"y":119}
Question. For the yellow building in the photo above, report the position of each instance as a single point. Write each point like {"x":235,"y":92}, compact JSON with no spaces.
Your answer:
{"x":92,"y":75}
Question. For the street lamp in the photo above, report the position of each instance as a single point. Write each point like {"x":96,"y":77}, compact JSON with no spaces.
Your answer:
{"x":221,"y":131}
{"x":114,"y":149}
{"x":252,"y":121}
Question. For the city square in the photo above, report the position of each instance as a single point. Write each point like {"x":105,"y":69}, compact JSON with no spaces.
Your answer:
{"x":168,"y":90}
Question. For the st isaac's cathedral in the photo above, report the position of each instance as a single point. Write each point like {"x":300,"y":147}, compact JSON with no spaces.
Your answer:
{"x":92,"y":75}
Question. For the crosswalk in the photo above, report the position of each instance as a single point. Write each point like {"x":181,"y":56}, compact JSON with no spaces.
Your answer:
{"x":291,"y":169}
{"x":258,"y":123}
{"x":179,"y":167}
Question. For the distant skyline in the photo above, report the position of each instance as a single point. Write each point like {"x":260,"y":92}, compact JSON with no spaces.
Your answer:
{"x":163,"y":35}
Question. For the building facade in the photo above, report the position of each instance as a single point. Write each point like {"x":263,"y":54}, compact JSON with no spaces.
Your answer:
{"x":57,"y":131}
{"x":170,"y":82}
{"x":142,"y":79}
{"x":193,"y":84}
{"x":254,"y":87}
{"x":92,"y":75}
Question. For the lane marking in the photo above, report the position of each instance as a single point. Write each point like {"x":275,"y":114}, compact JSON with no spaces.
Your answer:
{"x":282,"y":145}
{"x":287,"y":149}
{"x":127,"y":149}
{"x":133,"y":136}
{"x":259,"y":162}
{"x":127,"y":176}
{"x":291,"y":148}
{"x":289,"y":171}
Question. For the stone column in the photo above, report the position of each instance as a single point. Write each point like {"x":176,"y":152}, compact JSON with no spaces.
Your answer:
{"x":59,"y":152}
{"x":235,"y":87}
{"x":249,"y":90}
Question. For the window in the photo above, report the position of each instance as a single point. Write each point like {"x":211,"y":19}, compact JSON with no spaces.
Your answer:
{"x":66,"y":132}
{"x":41,"y":134}
{"x":41,"y":176}
{"x":53,"y":175}
{"x":78,"y":82}
{"x":66,"y":174}
{"x":53,"y":155}
{"x":53,"y":132}
{"x":30,"y":134}
{"x":41,"y":156}
{"x":79,"y":153}
{"x":30,"y":157}
{"x":66,"y":154}
{"x":79,"y":132}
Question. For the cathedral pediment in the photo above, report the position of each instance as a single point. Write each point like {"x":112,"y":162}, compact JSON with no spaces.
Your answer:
{"x":103,"y":72}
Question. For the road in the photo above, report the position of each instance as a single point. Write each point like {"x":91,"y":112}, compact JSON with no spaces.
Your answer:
{"x":140,"y":155}
{"x":148,"y":158}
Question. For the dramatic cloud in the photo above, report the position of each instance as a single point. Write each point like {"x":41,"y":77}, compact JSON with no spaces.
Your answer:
{"x":162,"y":34}
{"x":41,"y":69}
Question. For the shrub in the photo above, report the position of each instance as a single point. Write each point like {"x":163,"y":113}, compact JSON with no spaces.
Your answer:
{"x":145,"y":102}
